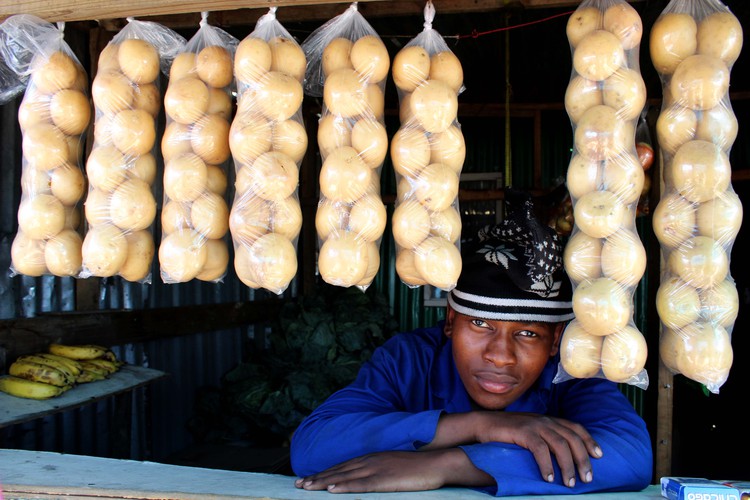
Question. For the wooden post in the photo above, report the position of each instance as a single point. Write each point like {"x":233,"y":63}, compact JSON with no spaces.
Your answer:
{"x":537,"y":149}
{"x":308,"y":193}
{"x":508,"y":177}
{"x":665,"y":392}
{"x":664,"y":416}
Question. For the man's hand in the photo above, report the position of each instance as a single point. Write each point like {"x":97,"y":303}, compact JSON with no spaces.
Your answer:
{"x":543,"y":436}
{"x":398,"y":471}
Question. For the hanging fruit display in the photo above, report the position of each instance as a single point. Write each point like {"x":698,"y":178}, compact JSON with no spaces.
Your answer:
{"x":428,"y":153}
{"x":604,"y":256}
{"x":195,"y":148}
{"x":348,"y":66}
{"x":693,"y":47}
{"x":120,"y":206}
{"x":54,"y":116}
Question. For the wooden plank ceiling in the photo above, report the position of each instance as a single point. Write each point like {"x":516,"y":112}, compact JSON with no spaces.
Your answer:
{"x":246,"y":12}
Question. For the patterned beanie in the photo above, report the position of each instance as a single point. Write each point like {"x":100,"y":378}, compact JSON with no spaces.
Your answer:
{"x":513,"y":271}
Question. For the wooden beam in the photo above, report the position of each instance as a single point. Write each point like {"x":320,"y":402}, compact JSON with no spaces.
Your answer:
{"x":468,"y":195}
{"x":537,"y":148}
{"x":664,"y":422}
{"x":27,"y":335}
{"x":308,"y":194}
{"x":741,"y":175}
{"x":83,"y":10}
{"x":248,"y":11}
{"x":537,"y":4}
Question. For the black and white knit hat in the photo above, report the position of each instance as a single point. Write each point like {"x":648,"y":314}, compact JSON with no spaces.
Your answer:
{"x":513,"y":271}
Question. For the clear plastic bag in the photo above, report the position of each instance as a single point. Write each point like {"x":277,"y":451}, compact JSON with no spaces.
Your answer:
{"x":120,"y":206}
{"x":604,"y":256}
{"x":268,"y":141}
{"x":347,"y":64}
{"x":693,"y":46}
{"x":54,"y":115}
{"x":195,"y":148}
{"x":428,"y":153}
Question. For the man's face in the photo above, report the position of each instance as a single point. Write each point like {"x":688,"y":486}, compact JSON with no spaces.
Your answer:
{"x":499,"y":360}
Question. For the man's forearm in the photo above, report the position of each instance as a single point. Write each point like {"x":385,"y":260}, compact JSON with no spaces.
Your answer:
{"x":454,"y":429}
{"x":458,"y":470}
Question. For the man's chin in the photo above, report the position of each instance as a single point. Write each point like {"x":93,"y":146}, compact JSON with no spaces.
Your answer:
{"x":492,"y":402}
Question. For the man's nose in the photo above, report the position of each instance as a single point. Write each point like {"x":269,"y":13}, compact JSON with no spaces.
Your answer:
{"x":499,"y":351}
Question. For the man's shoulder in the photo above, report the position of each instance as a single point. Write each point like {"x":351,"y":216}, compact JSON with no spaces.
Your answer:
{"x":431,"y":337}
{"x":414,"y":358}
{"x":420,"y":342}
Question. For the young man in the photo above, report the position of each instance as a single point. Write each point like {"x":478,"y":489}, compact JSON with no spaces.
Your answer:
{"x":471,"y":402}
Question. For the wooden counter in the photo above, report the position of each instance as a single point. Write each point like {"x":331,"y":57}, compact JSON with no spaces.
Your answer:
{"x":44,"y":475}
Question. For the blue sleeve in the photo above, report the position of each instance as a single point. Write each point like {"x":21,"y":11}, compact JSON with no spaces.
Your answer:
{"x":368,"y":416}
{"x":597,"y":404}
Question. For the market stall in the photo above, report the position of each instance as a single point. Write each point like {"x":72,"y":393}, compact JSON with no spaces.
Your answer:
{"x":107,"y":23}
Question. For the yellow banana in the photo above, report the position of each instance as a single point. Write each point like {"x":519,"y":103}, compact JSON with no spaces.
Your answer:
{"x":29,"y":389}
{"x":39,"y":373}
{"x":58,"y":365}
{"x":109,"y":355}
{"x":89,"y":366}
{"x":88,"y":376}
{"x":104,"y":364}
{"x":73,"y":365}
{"x":78,"y":352}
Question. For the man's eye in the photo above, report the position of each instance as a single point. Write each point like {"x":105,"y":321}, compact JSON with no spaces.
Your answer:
{"x":479,"y":322}
{"x":527,"y":333}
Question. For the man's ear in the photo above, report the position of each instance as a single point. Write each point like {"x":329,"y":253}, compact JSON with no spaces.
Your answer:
{"x":450,"y":314}
{"x":559,"y":327}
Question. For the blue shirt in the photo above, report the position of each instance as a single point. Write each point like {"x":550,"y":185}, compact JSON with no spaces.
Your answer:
{"x":396,"y":400}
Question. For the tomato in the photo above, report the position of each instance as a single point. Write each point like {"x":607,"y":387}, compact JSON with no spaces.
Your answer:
{"x":645,"y":154}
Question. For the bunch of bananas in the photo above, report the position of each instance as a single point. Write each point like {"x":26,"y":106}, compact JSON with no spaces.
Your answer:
{"x":49,"y":374}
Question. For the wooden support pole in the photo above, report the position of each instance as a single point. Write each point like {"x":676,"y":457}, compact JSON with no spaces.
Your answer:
{"x":537,"y":148}
{"x":664,"y":416}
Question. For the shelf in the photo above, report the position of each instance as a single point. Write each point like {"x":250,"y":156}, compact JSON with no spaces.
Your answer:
{"x":15,"y":410}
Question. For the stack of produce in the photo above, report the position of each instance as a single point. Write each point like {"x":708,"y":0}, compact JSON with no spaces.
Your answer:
{"x":348,"y":66}
{"x":120,"y":206}
{"x":268,"y":142}
{"x":604,"y":257}
{"x":53,"y":115}
{"x":195,"y":147}
{"x":48,"y":374}
{"x":693,"y":47}
{"x":428,"y":153}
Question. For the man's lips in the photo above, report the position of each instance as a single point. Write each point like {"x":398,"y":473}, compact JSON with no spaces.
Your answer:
{"x":495,"y":383}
